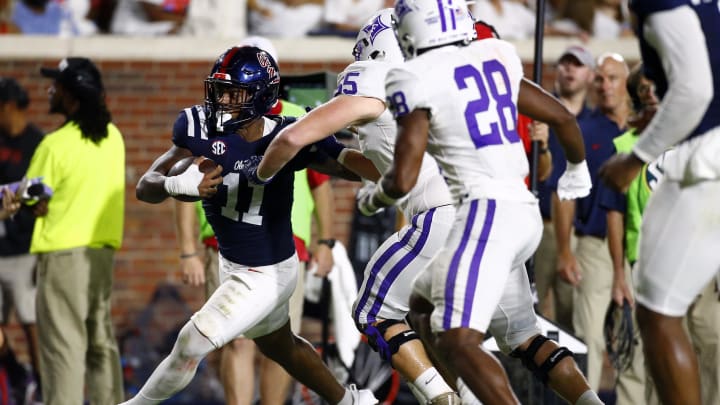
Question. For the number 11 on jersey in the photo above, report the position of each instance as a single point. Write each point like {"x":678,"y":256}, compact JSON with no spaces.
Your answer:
{"x":229,"y":210}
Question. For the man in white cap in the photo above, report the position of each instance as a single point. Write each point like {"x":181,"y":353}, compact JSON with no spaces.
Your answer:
{"x":573,"y":77}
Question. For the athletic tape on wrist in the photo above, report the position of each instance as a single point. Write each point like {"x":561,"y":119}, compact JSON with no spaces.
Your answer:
{"x":185,"y":183}
{"x":576,"y":167}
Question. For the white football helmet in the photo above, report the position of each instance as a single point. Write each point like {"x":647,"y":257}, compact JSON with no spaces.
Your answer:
{"x":376,"y":39}
{"x":421,"y":24}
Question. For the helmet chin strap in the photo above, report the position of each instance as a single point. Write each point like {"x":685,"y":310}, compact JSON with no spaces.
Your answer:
{"x":220,"y":119}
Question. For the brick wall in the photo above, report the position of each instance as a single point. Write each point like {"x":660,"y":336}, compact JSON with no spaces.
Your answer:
{"x":144,"y":98}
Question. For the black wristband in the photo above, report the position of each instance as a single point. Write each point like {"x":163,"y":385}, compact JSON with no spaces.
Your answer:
{"x":543,"y":150}
{"x":188,"y":255}
{"x":329,"y":242}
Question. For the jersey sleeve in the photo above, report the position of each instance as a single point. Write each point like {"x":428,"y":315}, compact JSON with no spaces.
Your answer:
{"x":190,"y":123}
{"x":360,"y":80}
{"x":318,"y":152}
{"x":180,"y":130}
{"x":683,"y":56}
{"x":329,"y":147}
{"x":403,"y":93}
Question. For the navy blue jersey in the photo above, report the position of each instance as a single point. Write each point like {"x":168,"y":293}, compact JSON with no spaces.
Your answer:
{"x":15,"y":155}
{"x":598,"y":132}
{"x":251,"y":223}
{"x":709,"y":14}
{"x":545,"y":188}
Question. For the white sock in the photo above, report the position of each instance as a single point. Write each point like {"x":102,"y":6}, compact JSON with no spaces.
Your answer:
{"x":589,"y":397}
{"x":466,"y":395}
{"x":177,"y":369}
{"x":430,"y":384}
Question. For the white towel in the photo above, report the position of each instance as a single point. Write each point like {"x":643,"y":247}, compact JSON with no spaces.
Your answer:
{"x":343,"y":291}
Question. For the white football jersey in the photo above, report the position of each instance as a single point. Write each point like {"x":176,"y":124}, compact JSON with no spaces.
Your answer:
{"x":471,"y":93}
{"x":377,"y":138}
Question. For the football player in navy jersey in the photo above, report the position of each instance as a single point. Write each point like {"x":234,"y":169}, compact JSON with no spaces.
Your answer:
{"x":678,"y":255}
{"x":258,"y":264}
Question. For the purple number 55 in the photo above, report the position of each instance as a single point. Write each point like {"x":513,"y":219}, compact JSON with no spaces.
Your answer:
{"x":503,"y":123}
{"x":348,"y":85}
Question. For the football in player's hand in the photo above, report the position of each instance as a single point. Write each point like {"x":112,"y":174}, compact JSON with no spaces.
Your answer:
{"x":205,"y":165}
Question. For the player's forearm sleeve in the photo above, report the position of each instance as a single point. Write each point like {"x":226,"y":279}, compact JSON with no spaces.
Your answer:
{"x":679,"y":40}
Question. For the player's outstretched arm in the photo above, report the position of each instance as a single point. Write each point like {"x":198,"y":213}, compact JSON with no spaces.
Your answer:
{"x":540,"y":105}
{"x":689,"y":74}
{"x":687,"y":66}
{"x":336,"y":114}
{"x":350,"y":164}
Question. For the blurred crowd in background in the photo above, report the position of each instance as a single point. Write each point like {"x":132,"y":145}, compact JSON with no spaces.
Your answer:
{"x":513,"y":19}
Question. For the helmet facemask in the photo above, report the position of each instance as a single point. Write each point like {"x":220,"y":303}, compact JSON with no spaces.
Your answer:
{"x":240,"y":89}
{"x":231,"y":104}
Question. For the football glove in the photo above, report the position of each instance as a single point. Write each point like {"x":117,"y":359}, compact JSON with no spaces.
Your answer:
{"x":364,"y":200}
{"x":575,"y":181}
{"x":376,"y":200}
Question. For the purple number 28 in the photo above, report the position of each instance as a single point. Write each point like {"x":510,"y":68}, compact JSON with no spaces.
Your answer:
{"x":504,"y":126}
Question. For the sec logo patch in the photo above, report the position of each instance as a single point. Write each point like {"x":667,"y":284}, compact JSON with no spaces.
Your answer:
{"x":218,"y":148}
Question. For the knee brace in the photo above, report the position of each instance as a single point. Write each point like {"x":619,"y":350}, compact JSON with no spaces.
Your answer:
{"x":376,"y":337}
{"x":528,"y":358}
